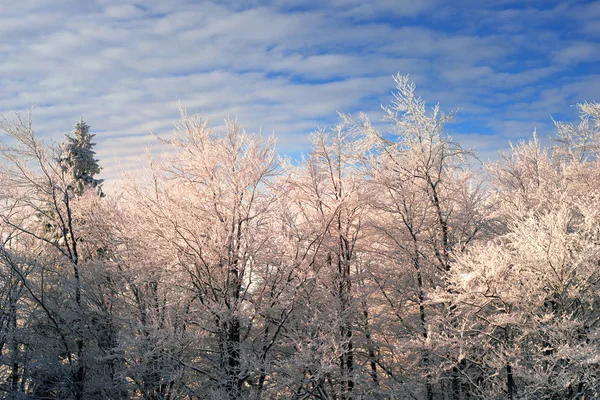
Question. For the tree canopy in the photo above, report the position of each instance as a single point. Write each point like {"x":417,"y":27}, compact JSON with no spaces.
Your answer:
{"x":381,"y":265}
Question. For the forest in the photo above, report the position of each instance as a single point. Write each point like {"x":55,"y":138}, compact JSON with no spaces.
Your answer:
{"x":388,"y":264}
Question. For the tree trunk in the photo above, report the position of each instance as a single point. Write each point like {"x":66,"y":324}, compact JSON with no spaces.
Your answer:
{"x":510,"y":383}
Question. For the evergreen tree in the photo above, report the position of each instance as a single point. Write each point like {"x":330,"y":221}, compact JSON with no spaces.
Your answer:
{"x":78,"y":158}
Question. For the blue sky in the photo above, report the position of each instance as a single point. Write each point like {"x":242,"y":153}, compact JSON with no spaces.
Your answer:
{"x":286,"y":67}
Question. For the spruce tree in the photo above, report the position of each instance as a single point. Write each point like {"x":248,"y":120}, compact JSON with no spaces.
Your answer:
{"x":78,"y":158}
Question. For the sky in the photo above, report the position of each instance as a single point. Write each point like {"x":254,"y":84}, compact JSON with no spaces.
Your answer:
{"x":286,"y":67}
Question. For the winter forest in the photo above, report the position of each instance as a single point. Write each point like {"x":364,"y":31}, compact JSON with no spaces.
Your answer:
{"x":384,"y":264}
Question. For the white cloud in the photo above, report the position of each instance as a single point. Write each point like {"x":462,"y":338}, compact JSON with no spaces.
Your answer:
{"x":577,"y":52}
{"x":126,"y":11}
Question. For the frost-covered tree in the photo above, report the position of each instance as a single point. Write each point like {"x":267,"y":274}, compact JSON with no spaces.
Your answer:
{"x":43,"y":246}
{"x":78,"y":158}
{"x":426,"y":206}
{"x":580,"y":142}
{"x":206,"y":219}
{"x":527,"y":300}
{"x":329,"y":199}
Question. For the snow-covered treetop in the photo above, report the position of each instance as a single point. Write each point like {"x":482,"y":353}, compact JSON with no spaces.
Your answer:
{"x":78,"y":157}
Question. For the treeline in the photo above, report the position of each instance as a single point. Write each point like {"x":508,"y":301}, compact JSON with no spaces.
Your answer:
{"x":379,"y":266}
